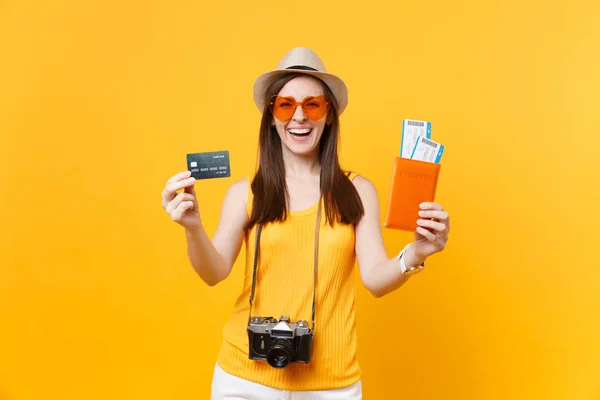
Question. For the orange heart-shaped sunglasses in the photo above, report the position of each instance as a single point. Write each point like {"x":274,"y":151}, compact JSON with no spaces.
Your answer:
{"x":314,"y":107}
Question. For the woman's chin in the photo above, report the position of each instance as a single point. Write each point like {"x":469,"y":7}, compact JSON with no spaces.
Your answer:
{"x":301,"y":149}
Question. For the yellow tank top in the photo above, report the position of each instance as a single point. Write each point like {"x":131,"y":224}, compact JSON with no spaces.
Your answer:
{"x":284,"y":286}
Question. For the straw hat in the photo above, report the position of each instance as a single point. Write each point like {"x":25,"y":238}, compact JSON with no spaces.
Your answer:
{"x":305,"y":61}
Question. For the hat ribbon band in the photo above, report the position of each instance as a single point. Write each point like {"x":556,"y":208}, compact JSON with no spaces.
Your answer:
{"x":304,"y":67}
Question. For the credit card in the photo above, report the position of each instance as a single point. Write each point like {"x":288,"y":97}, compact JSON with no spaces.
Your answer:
{"x":427,"y":150}
{"x":207,"y":165}
{"x":411,"y":130}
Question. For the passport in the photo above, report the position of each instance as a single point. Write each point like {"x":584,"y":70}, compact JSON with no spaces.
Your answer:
{"x":413,"y":182}
{"x":208,"y":165}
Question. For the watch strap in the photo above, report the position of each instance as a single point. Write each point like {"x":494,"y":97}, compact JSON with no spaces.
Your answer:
{"x":408,"y":270}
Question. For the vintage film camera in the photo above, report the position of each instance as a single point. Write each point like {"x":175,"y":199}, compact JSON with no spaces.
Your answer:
{"x":279,"y":342}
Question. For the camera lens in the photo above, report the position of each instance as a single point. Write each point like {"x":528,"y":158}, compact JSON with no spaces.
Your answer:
{"x":280,"y":354}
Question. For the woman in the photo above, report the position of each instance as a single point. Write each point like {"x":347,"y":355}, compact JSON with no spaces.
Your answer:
{"x":298,"y":271}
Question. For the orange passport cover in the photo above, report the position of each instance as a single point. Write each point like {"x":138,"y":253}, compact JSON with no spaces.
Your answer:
{"x":413,"y":182}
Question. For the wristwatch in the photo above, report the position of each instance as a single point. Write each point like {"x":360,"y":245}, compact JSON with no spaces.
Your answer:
{"x":408,"y":271}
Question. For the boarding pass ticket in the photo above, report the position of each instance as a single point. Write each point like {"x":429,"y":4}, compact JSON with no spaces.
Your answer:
{"x":427,"y":150}
{"x":411,"y":130}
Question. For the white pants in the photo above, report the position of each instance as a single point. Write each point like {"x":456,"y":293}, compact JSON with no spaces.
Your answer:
{"x":228,"y":387}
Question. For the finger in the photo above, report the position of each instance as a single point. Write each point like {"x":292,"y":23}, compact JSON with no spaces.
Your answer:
{"x":191,"y":189}
{"x":436,"y":226}
{"x":181,"y":209}
{"x":172,"y":187}
{"x":181,"y":197}
{"x":173,"y":204}
{"x":428,"y":235}
{"x":175,"y":186}
{"x":179,"y":176}
{"x":429,"y":205}
{"x":439,"y":215}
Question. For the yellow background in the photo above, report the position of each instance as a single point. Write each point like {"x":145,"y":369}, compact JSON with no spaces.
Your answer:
{"x":101,"y":100}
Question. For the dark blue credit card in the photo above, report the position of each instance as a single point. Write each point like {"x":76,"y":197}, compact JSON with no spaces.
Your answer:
{"x":211,"y":164}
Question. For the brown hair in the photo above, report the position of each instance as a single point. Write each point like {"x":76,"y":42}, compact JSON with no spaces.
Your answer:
{"x":341,"y":200}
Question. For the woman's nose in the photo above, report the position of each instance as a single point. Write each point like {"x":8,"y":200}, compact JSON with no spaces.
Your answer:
{"x":299,"y":114}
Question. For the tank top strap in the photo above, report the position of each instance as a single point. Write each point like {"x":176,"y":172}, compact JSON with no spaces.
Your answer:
{"x":250,"y":199}
{"x":351,"y":175}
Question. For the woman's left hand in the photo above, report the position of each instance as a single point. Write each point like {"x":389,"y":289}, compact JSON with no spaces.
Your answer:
{"x":432,"y":231}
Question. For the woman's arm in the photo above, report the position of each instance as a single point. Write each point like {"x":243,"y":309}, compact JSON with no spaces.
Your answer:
{"x":380,"y":274}
{"x":213,"y":260}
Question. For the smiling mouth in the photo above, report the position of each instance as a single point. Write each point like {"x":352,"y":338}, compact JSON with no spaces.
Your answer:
{"x":300,"y":132}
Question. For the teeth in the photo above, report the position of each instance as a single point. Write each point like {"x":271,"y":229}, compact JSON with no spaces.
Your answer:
{"x":300,"y":131}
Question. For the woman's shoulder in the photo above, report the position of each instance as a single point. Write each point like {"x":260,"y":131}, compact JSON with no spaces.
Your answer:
{"x":357,"y":178}
{"x":363,"y":185}
{"x":239,"y":189}
{"x":241,"y":185}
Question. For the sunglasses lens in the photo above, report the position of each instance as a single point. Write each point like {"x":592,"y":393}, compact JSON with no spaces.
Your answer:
{"x":283,"y":108}
{"x":315,"y":108}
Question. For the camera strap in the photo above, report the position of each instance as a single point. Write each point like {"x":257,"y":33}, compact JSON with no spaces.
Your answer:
{"x":316,"y":262}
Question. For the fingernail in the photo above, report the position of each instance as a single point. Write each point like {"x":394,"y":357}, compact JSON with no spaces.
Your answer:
{"x":420,"y":221}
{"x":422,"y":205}
{"x":422,"y":213}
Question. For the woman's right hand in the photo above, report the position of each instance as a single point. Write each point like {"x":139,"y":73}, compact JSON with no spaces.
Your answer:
{"x":182,"y":207}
